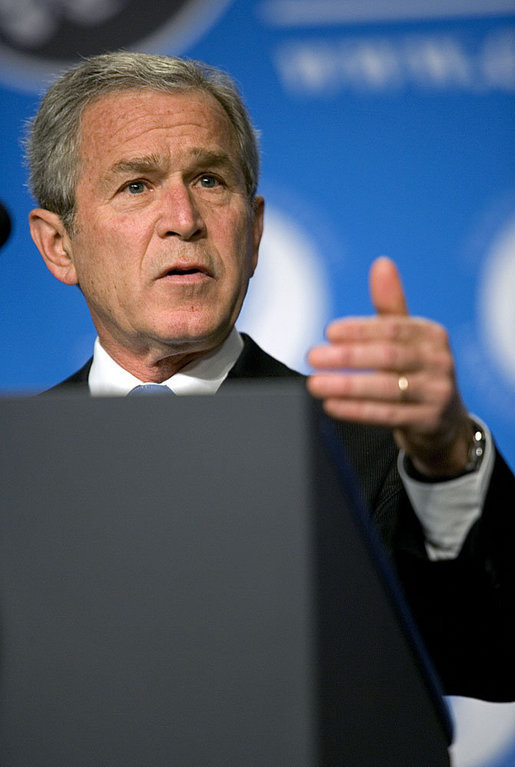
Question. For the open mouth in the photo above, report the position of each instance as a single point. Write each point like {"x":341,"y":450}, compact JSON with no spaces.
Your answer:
{"x":182,"y":272}
{"x":186,"y":273}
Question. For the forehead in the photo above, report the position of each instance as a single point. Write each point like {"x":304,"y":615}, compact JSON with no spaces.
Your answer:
{"x":131,"y":121}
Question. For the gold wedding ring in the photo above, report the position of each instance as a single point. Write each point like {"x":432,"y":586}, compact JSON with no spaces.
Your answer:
{"x":403,"y":386}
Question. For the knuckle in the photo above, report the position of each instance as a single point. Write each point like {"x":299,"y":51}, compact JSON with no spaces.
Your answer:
{"x":446,"y":364}
{"x":397,"y":329}
{"x":443,"y":391}
{"x":390,"y":414}
{"x":342,"y":355}
{"x":440,"y":336}
{"x":390,"y":356}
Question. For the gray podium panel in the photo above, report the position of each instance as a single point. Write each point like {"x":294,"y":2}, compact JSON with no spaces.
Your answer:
{"x":185,"y":582}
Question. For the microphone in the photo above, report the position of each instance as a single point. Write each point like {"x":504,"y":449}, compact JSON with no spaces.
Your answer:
{"x":5,"y":225}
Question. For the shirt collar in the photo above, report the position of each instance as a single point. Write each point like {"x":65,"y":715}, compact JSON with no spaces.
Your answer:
{"x":202,"y":376}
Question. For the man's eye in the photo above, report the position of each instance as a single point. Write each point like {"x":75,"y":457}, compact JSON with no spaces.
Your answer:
{"x":136,"y":187}
{"x":208,"y":181}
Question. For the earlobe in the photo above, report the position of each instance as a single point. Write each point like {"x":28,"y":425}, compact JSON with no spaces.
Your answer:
{"x":257,"y":228}
{"x":53,"y":242}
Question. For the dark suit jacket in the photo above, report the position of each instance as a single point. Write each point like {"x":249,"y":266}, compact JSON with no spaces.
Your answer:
{"x":465,"y":607}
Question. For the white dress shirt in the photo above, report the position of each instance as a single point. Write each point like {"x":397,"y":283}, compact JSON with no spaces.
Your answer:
{"x":202,"y":376}
{"x":446,"y":510}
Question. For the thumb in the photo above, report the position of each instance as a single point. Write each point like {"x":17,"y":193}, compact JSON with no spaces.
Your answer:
{"x":386,"y":289}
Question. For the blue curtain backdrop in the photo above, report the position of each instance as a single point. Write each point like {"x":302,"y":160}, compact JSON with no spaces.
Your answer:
{"x":387,"y":128}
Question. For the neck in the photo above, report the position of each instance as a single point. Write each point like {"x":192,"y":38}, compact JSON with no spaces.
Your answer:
{"x":152,"y":365}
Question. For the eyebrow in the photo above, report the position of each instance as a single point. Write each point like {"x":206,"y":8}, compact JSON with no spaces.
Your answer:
{"x":153,"y":162}
{"x":142,"y":164}
{"x":213,"y":158}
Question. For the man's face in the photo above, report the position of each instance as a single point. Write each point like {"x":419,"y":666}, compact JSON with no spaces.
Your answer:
{"x":166,"y":239}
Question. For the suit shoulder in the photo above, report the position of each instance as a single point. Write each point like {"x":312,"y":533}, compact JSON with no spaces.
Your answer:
{"x":76,"y":382}
{"x":253,"y":362}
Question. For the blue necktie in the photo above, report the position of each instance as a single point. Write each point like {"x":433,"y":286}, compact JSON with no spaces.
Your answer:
{"x":144,"y":389}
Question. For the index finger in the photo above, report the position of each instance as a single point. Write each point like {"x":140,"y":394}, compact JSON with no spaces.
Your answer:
{"x":391,"y":327}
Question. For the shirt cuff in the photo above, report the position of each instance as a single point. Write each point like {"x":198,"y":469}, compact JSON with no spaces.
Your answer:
{"x":447,"y":510}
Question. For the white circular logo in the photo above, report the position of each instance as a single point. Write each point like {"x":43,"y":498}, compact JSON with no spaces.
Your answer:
{"x":40,"y":37}
{"x":497,"y":302}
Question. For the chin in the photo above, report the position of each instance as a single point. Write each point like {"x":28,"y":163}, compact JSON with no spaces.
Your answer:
{"x":199,"y":338}
{"x":195,"y":326}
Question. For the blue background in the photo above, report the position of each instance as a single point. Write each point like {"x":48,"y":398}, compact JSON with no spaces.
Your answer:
{"x":383,"y":132}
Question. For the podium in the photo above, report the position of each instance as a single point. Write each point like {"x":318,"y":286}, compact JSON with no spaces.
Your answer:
{"x":190,"y":582}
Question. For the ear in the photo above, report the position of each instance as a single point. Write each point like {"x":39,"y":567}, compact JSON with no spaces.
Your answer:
{"x":258,"y":211}
{"x":54,"y":244}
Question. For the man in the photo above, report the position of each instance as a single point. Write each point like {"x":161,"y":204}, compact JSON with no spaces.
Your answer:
{"x":146,"y":172}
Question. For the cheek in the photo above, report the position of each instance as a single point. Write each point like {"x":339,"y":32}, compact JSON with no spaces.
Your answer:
{"x":237,"y":242}
{"x":104,"y":249}
{"x":97,"y":263}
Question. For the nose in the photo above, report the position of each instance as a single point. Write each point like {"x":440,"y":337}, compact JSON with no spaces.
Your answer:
{"x":180,"y":216}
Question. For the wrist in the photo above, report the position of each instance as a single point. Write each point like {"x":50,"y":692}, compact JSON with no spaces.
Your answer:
{"x":464,"y":458}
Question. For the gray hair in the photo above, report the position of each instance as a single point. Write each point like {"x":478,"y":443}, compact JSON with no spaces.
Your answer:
{"x":53,"y":136}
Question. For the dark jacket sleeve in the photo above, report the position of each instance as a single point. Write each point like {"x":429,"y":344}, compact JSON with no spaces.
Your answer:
{"x":465,"y":607}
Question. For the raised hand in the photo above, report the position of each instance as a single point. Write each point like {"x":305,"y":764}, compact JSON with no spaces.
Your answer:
{"x":396,"y":371}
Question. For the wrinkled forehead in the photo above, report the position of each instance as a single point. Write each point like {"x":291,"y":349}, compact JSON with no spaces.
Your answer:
{"x":125,"y":118}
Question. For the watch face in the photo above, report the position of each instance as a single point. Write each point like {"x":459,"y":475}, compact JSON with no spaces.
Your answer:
{"x":38,"y":37}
